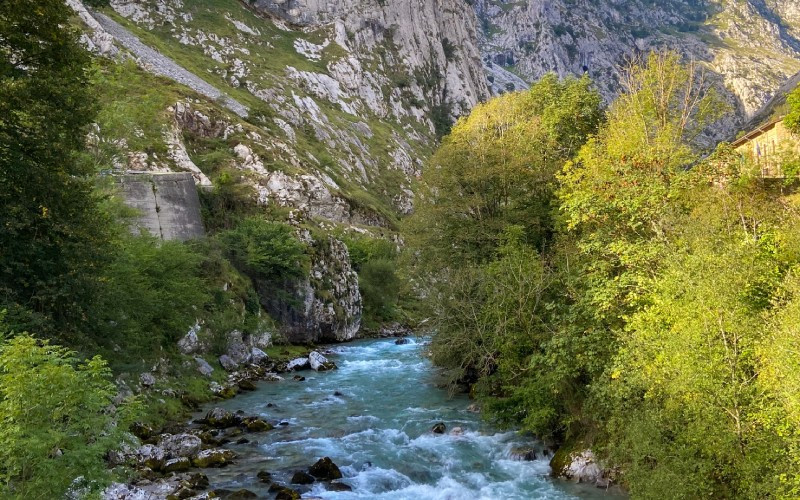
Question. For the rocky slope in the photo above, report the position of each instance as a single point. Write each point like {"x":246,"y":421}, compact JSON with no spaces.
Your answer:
{"x":327,"y":109}
{"x":750,"y":47}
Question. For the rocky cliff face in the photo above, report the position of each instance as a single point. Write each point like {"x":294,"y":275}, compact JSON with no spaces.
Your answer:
{"x":433,"y":40}
{"x":326,"y":305}
{"x":749,"y":47}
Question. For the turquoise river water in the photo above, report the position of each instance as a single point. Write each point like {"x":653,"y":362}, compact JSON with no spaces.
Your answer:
{"x":373,"y":417}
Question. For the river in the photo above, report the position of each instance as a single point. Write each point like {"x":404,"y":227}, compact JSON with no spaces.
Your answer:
{"x":373,"y":417}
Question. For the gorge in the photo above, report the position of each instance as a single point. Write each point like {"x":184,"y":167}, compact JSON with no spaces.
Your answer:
{"x":399,"y":249}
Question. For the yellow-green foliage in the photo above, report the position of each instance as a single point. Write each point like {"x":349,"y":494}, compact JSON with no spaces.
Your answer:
{"x":659,"y":324}
{"x":55,"y":423}
{"x":792,"y":119}
{"x":497,"y":168}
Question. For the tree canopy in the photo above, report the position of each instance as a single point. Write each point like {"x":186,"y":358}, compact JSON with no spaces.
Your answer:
{"x":52,"y":235}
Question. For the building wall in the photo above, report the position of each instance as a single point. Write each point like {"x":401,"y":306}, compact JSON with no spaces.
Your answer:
{"x":168,"y":204}
{"x":768,"y":149}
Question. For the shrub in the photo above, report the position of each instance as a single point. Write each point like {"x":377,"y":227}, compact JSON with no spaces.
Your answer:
{"x":56,"y":425}
{"x":264,"y":250}
{"x":151,"y":295}
{"x":375,"y":261}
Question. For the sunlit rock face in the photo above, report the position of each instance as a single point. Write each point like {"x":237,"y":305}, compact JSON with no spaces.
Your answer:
{"x":748,"y":48}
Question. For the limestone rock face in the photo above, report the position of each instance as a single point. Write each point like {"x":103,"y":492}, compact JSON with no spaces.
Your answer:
{"x":749,"y":48}
{"x":438,"y":36}
{"x":327,"y":304}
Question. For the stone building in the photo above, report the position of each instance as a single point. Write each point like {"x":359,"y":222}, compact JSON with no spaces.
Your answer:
{"x":768,"y":146}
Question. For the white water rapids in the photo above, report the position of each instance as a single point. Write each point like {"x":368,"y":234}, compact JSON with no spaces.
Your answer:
{"x":373,"y":417}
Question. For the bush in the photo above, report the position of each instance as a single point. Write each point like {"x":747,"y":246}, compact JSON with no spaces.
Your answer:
{"x":265,"y":251}
{"x":56,"y":425}
{"x":380,"y":287}
{"x":152,"y":293}
{"x":227,"y":203}
{"x":375,"y":261}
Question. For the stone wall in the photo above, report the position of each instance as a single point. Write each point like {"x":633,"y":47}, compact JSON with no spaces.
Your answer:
{"x":168,"y":204}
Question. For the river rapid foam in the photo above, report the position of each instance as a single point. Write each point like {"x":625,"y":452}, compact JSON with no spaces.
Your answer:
{"x":373,"y":417}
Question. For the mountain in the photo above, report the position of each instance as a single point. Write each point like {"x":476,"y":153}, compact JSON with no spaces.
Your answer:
{"x":346,"y":97}
{"x":748,"y":47}
{"x":330,"y":108}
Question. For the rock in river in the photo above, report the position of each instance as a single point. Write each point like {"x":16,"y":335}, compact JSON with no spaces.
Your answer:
{"x":301,"y":477}
{"x":325,"y":470}
{"x":284,"y":493}
{"x":221,"y":418}
{"x":213,"y":458}
{"x":180,"y":445}
{"x":297,"y":364}
{"x":319,"y":363}
{"x":255,"y":424}
{"x":523,"y":453}
{"x":179,"y":464}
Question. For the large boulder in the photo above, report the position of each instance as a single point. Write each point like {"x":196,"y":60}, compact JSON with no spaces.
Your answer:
{"x":580,"y":466}
{"x":238,"y":350}
{"x":228,"y":364}
{"x":203,"y":367}
{"x":180,"y":445}
{"x":319,"y":363}
{"x":151,"y":456}
{"x":583,"y":468}
{"x":297,"y":364}
{"x":325,"y":470}
{"x":257,"y":356}
{"x":190,"y":343}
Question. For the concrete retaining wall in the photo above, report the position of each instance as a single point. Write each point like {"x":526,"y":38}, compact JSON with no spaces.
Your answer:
{"x":168,"y":204}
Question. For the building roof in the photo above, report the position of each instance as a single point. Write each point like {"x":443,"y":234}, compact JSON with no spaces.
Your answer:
{"x":756,"y":132}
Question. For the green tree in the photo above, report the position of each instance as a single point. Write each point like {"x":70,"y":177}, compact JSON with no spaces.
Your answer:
{"x":150,"y":294}
{"x":51,"y":233}
{"x":266,"y":251}
{"x":792,"y":119}
{"x":686,"y":387}
{"x":621,"y":194}
{"x":497,"y":168}
{"x":57,"y":421}
{"x":376,"y":261}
